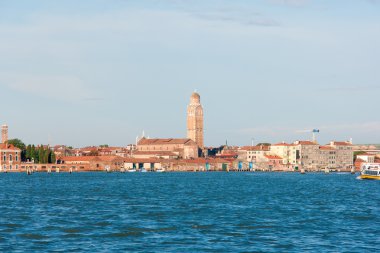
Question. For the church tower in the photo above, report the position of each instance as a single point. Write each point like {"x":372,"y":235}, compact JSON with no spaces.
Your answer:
{"x":4,"y":134}
{"x":195,"y":120}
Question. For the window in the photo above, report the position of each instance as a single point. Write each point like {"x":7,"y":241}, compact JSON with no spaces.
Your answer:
{"x":10,"y":167}
{"x":10,"y":158}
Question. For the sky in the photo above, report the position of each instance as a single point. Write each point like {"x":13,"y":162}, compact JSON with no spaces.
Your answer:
{"x":94,"y":72}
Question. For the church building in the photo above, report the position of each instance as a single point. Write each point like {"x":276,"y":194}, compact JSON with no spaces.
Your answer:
{"x":182,"y":148}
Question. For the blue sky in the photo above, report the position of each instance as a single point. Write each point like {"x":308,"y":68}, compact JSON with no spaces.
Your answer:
{"x":102,"y":71}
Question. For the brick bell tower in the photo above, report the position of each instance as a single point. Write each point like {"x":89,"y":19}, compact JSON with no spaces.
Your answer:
{"x":4,"y":134}
{"x":195,"y":120}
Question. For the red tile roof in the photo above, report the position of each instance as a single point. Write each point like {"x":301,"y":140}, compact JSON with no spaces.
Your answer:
{"x":145,"y":141}
{"x":326,"y":148}
{"x":9,"y":147}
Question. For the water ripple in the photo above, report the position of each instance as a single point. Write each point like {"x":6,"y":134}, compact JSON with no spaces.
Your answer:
{"x":188,"y":212}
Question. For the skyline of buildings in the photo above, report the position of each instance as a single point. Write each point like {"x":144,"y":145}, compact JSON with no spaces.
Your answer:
{"x":152,"y":152}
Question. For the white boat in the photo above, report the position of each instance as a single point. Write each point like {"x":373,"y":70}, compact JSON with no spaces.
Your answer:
{"x":131,"y":170}
{"x":160,"y":170}
{"x":370,"y":171}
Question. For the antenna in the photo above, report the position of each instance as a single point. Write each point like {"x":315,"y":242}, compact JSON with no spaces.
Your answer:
{"x":315,"y":131}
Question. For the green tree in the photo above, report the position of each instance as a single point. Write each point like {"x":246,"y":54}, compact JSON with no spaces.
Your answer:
{"x":34,"y":154}
{"x":41,"y":154}
{"x":52,"y":158}
{"x":263,"y":144}
{"x":28,"y":154}
{"x":46,"y":155}
{"x":19,"y":144}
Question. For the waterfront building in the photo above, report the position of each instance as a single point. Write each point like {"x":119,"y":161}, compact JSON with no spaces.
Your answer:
{"x":368,"y":158}
{"x":274,"y":162}
{"x":288,"y":152}
{"x":10,"y":155}
{"x":308,"y":154}
{"x":255,"y":153}
{"x":327,"y":157}
{"x":93,"y":163}
{"x":344,"y":154}
{"x":195,"y":120}
{"x":183,"y":148}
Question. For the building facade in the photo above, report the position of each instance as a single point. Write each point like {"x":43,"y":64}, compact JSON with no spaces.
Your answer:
{"x":288,"y":152}
{"x":195,"y":120}
{"x":10,"y":157}
{"x":256,"y":153}
{"x":344,"y":154}
{"x":183,"y":148}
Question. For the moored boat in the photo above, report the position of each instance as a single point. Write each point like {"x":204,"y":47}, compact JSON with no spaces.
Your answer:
{"x":370,"y":171}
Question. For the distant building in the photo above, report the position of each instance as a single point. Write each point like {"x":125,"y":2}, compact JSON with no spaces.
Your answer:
{"x":256,"y":153}
{"x":10,"y":156}
{"x":305,"y":154}
{"x":93,"y":163}
{"x":368,"y":158}
{"x":183,"y":148}
{"x":195,"y":120}
{"x":288,"y":152}
{"x":344,"y":154}
{"x":309,"y":155}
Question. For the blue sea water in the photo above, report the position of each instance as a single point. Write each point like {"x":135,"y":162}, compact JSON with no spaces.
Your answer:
{"x":188,"y":212}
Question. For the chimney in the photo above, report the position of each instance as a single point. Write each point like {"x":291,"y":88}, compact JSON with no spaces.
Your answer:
{"x":4,"y":133}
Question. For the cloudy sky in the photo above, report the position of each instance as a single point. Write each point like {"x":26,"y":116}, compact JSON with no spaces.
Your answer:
{"x":92,"y":72}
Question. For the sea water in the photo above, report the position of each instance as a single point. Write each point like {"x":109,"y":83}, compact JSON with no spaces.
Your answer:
{"x":188,"y":212}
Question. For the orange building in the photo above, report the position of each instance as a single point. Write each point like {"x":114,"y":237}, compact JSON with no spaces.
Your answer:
{"x":10,"y":157}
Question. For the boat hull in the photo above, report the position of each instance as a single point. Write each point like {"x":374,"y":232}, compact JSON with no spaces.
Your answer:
{"x":370,"y":177}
